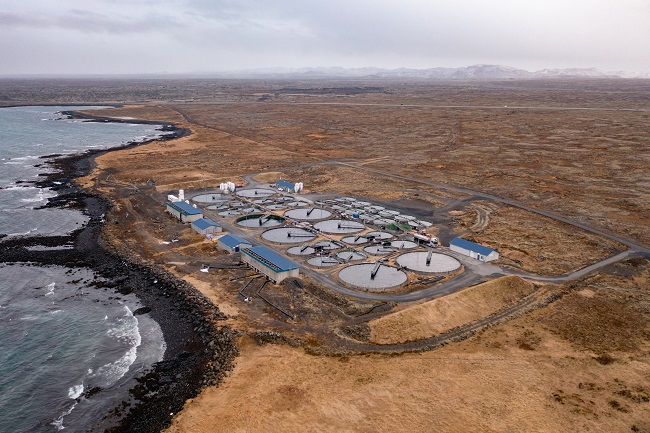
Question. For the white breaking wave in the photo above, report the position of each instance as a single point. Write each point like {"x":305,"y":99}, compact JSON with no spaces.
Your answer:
{"x":58,"y":423}
{"x":128,"y":332}
{"x":20,"y":187}
{"x":75,"y":392}
{"x":24,"y":158}
{"x":50,"y":288}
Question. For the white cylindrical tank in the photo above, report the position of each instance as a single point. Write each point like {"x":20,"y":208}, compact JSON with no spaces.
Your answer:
{"x":181,"y":194}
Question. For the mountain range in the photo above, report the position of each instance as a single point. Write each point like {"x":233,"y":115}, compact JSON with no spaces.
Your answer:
{"x":474,"y":72}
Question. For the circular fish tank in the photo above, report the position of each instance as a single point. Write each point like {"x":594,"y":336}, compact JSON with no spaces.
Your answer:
{"x":351,"y":256}
{"x":323,"y":261}
{"x":355,"y":240}
{"x":308,"y":214}
{"x":211,"y":198}
{"x":303,"y":250}
{"x":276,"y":207}
{"x":288,"y":235}
{"x":259,"y":221}
{"x":339,"y":226}
{"x":403,"y":245}
{"x":374,"y":277}
{"x":420,"y":261}
{"x":378,"y":250}
{"x":218,"y":207}
{"x":228,"y":213}
{"x":297,"y":204}
{"x":383,"y":222}
{"x":328,"y":245}
{"x":378,"y":235}
{"x":255,"y":192}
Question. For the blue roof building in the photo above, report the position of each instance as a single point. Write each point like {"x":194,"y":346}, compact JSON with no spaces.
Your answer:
{"x":290,"y":187}
{"x":473,"y":250}
{"x":205,"y":226}
{"x":232,"y":243}
{"x":269,"y":263}
{"x":184,"y":212}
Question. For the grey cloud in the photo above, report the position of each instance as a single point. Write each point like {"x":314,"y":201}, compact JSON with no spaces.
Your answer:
{"x":232,"y":34}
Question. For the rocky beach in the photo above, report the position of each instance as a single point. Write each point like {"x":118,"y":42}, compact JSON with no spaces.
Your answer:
{"x":199,"y":349}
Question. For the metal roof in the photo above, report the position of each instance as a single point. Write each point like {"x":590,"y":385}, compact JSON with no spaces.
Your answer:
{"x":231,"y":241}
{"x":285,"y":184}
{"x":270,"y":258}
{"x":184,"y":208}
{"x":203,"y":223}
{"x":469,"y":245}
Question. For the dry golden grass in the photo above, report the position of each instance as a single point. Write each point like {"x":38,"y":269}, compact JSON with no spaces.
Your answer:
{"x":488,"y":384}
{"x":541,"y":245}
{"x":442,"y":314}
{"x":270,"y":176}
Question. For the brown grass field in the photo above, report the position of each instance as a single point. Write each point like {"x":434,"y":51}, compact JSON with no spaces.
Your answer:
{"x":577,"y":148}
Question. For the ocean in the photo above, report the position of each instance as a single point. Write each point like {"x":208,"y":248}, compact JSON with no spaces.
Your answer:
{"x":69,"y":351}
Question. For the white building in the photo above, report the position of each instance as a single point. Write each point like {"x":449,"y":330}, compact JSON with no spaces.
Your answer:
{"x":473,"y":250}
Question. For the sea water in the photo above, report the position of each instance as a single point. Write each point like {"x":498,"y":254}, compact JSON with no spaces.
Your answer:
{"x":61,"y":338}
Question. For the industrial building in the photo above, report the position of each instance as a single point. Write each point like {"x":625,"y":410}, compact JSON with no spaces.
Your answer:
{"x":232,"y":244}
{"x":204,"y":226}
{"x":473,"y":250}
{"x":183,"y":211}
{"x":288,"y":186}
{"x":269,"y":263}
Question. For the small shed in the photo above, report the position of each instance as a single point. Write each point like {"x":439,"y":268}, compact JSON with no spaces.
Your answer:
{"x":183,"y":211}
{"x":269,"y":263}
{"x":233,"y":244}
{"x":204,"y":226}
{"x":473,"y":250}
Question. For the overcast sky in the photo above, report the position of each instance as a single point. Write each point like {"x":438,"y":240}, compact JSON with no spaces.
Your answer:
{"x":185,"y":36}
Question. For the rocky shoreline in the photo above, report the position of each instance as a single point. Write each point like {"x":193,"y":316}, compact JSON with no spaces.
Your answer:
{"x":200,"y":349}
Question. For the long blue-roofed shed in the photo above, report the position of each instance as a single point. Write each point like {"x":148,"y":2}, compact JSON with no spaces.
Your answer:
{"x":183,"y":211}
{"x":269,"y":263}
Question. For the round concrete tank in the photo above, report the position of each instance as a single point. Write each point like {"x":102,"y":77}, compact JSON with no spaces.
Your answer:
{"x":288,"y":235}
{"x":303,"y":250}
{"x":260,"y":221}
{"x":255,"y":192}
{"x":351,"y":256}
{"x":339,"y":226}
{"x":428,"y":262}
{"x":323,"y":261}
{"x":403,"y":245}
{"x":307,"y":214}
{"x":373,"y":277}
